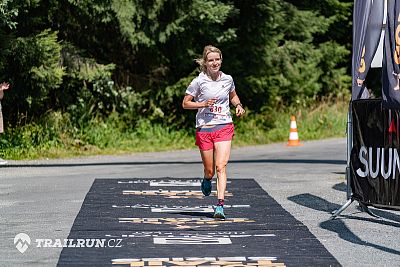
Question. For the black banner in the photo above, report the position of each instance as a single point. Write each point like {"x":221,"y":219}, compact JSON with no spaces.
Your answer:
{"x":390,"y":69}
{"x":168,"y":222}
{"x":367,"y":27}
{"x":375,"y":160}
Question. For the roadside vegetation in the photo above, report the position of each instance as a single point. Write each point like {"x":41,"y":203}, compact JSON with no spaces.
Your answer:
{"x":104,"y":77}
{"x":55,"y":137}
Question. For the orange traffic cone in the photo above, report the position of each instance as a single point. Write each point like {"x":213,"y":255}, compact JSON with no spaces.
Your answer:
{"x":293,"y":135}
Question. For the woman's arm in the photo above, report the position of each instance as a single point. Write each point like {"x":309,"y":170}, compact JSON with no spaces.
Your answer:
{"x":3,"y":86}
{"x":187,"y":103}
{"x":234,"y":98}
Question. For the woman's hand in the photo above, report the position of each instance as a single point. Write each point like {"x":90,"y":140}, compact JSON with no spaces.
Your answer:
{"x":239,"y":110}
{"x":210,"y":102}
{"x":4,"y":86}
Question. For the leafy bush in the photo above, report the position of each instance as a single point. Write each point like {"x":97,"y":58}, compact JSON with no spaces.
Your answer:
{"x":56,"y":136}
{"x":123,"y":66}
{"x":33,"y":65}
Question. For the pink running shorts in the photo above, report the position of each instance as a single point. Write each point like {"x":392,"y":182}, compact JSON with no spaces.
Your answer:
{"x":206,"y":137}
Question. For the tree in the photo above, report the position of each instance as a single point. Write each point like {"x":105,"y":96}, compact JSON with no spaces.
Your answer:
{"x":7,"y":23}
{"x":7,"y":14}
{"x":100,"y":53}
{"x":278,"y":60}
{"x":34,"y":71}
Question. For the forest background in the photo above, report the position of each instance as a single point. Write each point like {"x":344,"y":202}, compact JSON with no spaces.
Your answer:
{"x":108,"y":76}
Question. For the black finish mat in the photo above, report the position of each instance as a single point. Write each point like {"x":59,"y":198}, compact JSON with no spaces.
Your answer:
{"x":168,"y":222}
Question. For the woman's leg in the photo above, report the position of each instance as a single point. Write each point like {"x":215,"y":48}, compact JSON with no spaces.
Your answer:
{"x":207,"y":156}
{"x":222,"y":154}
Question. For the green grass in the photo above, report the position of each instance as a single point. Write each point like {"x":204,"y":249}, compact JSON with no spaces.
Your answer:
{"x":56,"y":137}
{"x":323,"y":121}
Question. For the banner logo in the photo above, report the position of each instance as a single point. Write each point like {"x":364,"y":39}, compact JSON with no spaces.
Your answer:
{"x":397,"y":40}
{"x":170,"y":193}
{"x":192,"y":240}
{"x":175,"y":209}
{"x":184,"y":223}
{"x":367,"y":157}
{"x":22,"y":242}
{"x":206,"y":261}
{"x":392,"y":127}
{"x":167,"y":182}
{"x":187,"y":238}
{"x":362,"y":67}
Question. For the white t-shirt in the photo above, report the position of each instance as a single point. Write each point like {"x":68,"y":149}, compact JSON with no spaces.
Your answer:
{"x":203,"y":88}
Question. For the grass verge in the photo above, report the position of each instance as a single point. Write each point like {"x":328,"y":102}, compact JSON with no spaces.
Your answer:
{"x":55,"y":137}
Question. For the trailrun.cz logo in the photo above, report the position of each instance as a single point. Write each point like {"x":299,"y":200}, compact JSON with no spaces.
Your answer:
{"x":22,"y":241}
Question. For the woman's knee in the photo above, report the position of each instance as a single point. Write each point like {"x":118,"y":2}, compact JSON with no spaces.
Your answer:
{"x":209,"y":173}
{"x":221,"y":168}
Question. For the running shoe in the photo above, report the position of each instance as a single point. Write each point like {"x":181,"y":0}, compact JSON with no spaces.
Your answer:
{"x":3,"y":162}
{"x":219,"y":212}
{"x":206,"y":187}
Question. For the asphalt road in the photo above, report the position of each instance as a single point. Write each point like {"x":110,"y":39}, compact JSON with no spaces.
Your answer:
{"x":42,"y":198}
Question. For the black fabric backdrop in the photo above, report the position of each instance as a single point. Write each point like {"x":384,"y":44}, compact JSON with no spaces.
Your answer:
{"x":375,"y":127}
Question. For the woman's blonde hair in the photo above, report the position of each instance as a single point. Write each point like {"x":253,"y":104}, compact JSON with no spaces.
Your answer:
{"x":207,"y":50}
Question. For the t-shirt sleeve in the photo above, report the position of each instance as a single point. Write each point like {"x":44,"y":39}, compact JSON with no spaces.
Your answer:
{"x":232,"y":85}
{"x":193,"y":88}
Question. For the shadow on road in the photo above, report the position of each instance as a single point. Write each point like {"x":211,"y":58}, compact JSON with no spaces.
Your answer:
{"x":340,"y":187}
{"x":338,"y":226}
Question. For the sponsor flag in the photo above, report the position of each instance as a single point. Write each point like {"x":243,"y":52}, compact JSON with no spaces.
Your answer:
{"x":375,"y":156}
{"x":390,"y":68}
{"x":367,"y":27}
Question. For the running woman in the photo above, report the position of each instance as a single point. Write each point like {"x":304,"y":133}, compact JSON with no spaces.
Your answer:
{"x":210,"y":93}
